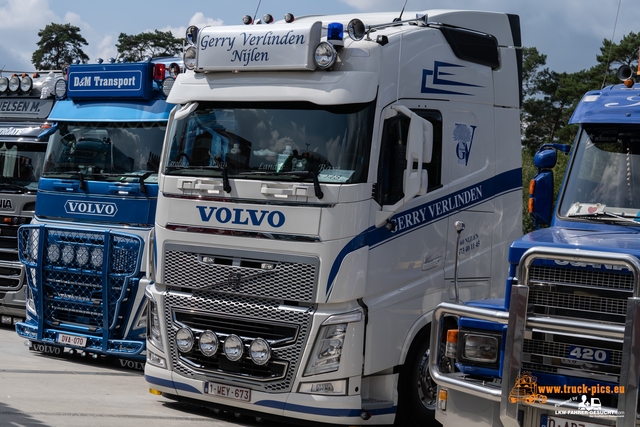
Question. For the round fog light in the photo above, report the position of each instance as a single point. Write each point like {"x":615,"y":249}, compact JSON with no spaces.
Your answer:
{"x":82,"y":255}
{"x":53,"y":253}
{"x":96,"y":257}
{"x":260,"y":351}
{"x":208,"y":343}
{"x":67,"y":254}
{"x":325,"y":55}
{"x":61,"y":88}
{"x":14,"y":84}
{"x":233,"y":348}
{"x":26,"y":84}
{"x":184,"y":339}
{"x":189,"y":57}
{"x":167,"y":84}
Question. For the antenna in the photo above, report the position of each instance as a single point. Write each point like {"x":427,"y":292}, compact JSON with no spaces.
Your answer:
{"x":401,"y":12}
{"x":606,"y":69}
{"x":257,"y":8}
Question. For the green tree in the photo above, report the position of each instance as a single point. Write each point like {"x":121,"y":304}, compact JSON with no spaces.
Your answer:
{"x":153,"y":44}
{"x":59,"y":45}
{"x":613,"y":56}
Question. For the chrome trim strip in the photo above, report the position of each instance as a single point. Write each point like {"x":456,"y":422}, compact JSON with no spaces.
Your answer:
{"x":242,"y":233}
{"x":248,"y":201}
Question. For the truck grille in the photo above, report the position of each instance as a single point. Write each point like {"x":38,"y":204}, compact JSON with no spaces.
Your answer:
{"x":76,"y":289}
{"x":574,"y":293}
{"x":253,"y":274}
{"x":287,"y":327}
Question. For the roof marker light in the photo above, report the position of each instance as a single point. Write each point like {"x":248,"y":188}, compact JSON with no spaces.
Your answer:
{"x":111,"y":60}
{"x":99,"y":60}
{"x":289,"y":18}
{"x":4,"y":84}
{"x":147,"y":58}
{"x":247,"y":20}
{"x":192,"y":35}
{"x":267,"y":19}
{"x":335,"y":33}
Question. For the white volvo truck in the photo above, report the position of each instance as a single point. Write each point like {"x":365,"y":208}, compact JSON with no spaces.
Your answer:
{"x":308,"y":190}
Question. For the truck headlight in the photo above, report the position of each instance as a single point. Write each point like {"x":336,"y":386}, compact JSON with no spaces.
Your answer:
{"x":327,"y":349}
{"x":153,"y":320}
{"x":479,"y":348}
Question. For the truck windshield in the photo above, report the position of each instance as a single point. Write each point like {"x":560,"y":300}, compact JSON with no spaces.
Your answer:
{"x":105,"y":151}
{"x":604,"y":180}
{"x":260,"y":141}
{"x":20,"y":165}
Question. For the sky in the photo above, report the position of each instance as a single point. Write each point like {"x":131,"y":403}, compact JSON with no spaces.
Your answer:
{"x":569,"y":32}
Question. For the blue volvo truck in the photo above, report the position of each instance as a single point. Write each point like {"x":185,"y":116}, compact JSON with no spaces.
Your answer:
{"x":88,"y":245}
{"x":563,"y":347}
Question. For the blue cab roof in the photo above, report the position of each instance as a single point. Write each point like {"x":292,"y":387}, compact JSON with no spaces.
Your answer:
{"x":613,"y":104}
{"x":119,"y":92}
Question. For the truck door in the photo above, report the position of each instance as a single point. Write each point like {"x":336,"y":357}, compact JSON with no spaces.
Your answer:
{"x":410,"y":257}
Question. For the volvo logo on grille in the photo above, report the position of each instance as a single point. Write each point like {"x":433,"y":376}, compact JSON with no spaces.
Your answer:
{"x":90,"y":208}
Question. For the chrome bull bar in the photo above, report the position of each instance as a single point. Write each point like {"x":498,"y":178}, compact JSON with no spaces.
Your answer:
{"x":518,"y":321}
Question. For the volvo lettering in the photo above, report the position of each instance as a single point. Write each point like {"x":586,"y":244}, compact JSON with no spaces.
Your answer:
{"x":87,"y":249}
{"x":308,"y":196}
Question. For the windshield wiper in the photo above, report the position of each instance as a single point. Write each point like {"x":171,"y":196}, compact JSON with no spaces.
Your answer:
{"x":77,"y":173}
{"x":15,"y":187}
{"x":314,"y":176}
{"x":601,"y":214}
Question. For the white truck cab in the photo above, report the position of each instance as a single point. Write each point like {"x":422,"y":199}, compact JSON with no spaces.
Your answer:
{"x":308,"y":190}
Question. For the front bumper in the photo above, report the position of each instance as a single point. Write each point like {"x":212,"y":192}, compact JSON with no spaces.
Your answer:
{"x":345,"y":410}
{"x":496,"y":395}
{"x":121,"y":348}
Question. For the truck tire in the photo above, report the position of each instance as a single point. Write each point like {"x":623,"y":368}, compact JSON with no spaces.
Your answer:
{"x":417,"y":392}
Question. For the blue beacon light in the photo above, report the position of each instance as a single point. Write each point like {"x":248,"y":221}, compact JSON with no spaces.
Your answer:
{"x":335,"y":33}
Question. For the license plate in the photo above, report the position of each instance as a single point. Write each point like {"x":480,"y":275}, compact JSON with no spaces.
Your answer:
{"x":72,"y":340}
{"x":228,"y":391}
{"x":566,"y":422}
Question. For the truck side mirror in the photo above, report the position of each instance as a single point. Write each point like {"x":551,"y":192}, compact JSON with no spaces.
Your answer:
{"x":419,"y":151}
{"x":545,"y":159}
{"x":541,"y":187}
{"x":541,"y":197}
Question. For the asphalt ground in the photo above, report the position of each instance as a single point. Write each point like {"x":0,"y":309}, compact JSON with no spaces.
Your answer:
{"x":38,"y":390}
